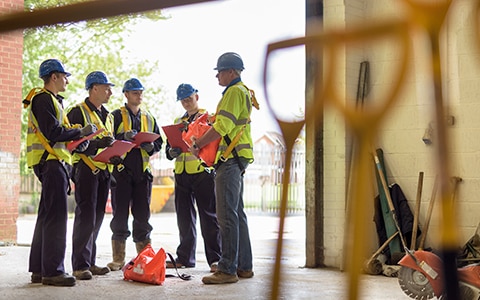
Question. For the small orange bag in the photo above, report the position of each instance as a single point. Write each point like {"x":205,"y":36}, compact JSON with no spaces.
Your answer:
{"x":195,"y":130}
{"x":147,"y":267}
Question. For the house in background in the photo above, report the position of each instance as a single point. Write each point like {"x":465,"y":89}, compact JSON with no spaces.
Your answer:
{"x":263,"y":178}
{"x":269,"y":151}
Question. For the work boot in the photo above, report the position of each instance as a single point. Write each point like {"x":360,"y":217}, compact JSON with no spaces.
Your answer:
{"x":219,"y":277}
{"x":118,"y":250}
{"x":96,"y":270}
{"x":60,"y":280}
{"x":142,"y":244}
{"x":245,"y":274}
{"x":83,"y":274}
{"x":36,"y":277}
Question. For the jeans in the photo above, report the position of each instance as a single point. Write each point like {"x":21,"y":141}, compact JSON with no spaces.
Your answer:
{"x":236,"y":247}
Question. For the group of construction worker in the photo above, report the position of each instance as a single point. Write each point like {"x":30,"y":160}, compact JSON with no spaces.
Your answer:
{"x":216,"y":191}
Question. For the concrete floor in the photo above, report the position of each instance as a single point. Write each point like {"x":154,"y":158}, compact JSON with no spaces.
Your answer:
{"x":297,"y":282}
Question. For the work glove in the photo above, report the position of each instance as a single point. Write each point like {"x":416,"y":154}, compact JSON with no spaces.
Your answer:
{"x":82,"y":147}
{"x":130,"y":135}
{"x":116,"y":160}
{"x":105,"y":142}
{"x":86,"y":130}
{"x":174,"y":152}
{"x":147,"y":147}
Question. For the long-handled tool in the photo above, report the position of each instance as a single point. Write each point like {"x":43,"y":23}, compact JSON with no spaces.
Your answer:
{"x":429,"y":215}
{"x":456,"y":181}
{"x":389,"y":198}
{"x":373,"y":266}
{"x":417,"y":211}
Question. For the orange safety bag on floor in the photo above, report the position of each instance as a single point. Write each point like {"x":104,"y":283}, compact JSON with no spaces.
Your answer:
{"x":197,"y":129}
{"x":147,"y":267}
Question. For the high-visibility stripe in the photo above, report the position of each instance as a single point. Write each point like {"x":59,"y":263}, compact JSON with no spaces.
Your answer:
{"x":147,"y":123}
{"x":37,"y":143}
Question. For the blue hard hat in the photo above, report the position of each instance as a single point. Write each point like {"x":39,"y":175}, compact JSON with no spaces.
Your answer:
{"x":229,"y":60}
{"x":51,"y":65}
{"x":96,"y":77}
{"x":185,"y":90}
{"x":133,"y":84}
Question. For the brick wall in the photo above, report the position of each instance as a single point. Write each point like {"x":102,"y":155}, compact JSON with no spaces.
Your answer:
{"x":11,"y":48}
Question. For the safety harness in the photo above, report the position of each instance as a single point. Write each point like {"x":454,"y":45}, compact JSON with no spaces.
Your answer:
{"x":93,"y":117}
{"x":48,"y":146}
{"x":125,"y":121}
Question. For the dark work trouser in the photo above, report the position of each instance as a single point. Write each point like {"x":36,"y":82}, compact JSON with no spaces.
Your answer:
{"x":91,"y":193}
{"x":131,"y":193}
{"x":199,"y":188}
{"x":47,"y":252}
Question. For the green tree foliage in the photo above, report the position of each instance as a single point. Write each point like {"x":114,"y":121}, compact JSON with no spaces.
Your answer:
{"x":84,"y":47}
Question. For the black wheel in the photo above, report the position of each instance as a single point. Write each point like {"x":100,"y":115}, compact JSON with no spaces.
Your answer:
{"x":415,"y":284}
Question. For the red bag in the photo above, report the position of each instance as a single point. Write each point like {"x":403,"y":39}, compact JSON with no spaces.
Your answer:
{"x":196,"y":129}
{"x":147,"y":267}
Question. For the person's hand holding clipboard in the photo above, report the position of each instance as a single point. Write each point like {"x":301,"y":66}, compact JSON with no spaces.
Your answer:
{"x":174,"y":136}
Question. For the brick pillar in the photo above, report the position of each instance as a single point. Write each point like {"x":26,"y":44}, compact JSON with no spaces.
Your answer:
{"x":11,"y":49}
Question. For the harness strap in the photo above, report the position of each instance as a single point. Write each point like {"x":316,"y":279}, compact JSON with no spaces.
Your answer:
{"x":231,"y":145}
{"x":89,"y":163}
{"x":124,"y":112}
{"x":252,"y":97}
{"x":28,"y":99}
{"x":235,"y":155}
{"x":182,"y":276}
{"x":44,"y":142}
{"x":95,"y":118}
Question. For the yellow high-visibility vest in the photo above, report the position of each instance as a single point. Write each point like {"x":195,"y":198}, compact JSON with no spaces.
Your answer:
{"x":37,"y":143}
{"x":90,"y":117}
{"x":147,"y":123}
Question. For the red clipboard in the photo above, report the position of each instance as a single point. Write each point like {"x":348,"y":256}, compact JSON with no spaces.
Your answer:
{"x":73,"y":145}
{"x":118,"y":148}
{"x":174,"y":136}
{"x":144,"y":137}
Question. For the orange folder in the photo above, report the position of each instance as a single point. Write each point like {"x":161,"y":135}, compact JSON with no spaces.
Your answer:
{"x":118,"y":148}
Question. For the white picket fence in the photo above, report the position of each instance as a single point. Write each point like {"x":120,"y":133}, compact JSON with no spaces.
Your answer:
{"x":263,"y":181}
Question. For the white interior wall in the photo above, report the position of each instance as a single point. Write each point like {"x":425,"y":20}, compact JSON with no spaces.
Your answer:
{"x":401,"y":133}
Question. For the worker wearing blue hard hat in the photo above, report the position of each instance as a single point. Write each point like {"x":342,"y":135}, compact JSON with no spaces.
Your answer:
{"x":92,"y":179}
{"x":51,"y":65}
{"x":133,"y":174}
{"x":133,"y":84}
{"x":185,"y":90}
{"x":47,"y":154}
{"x":97,"y":77}
{"x":194,"y":191}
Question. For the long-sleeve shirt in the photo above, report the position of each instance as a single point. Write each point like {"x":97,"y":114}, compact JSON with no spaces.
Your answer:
{"x":49,"y":125}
